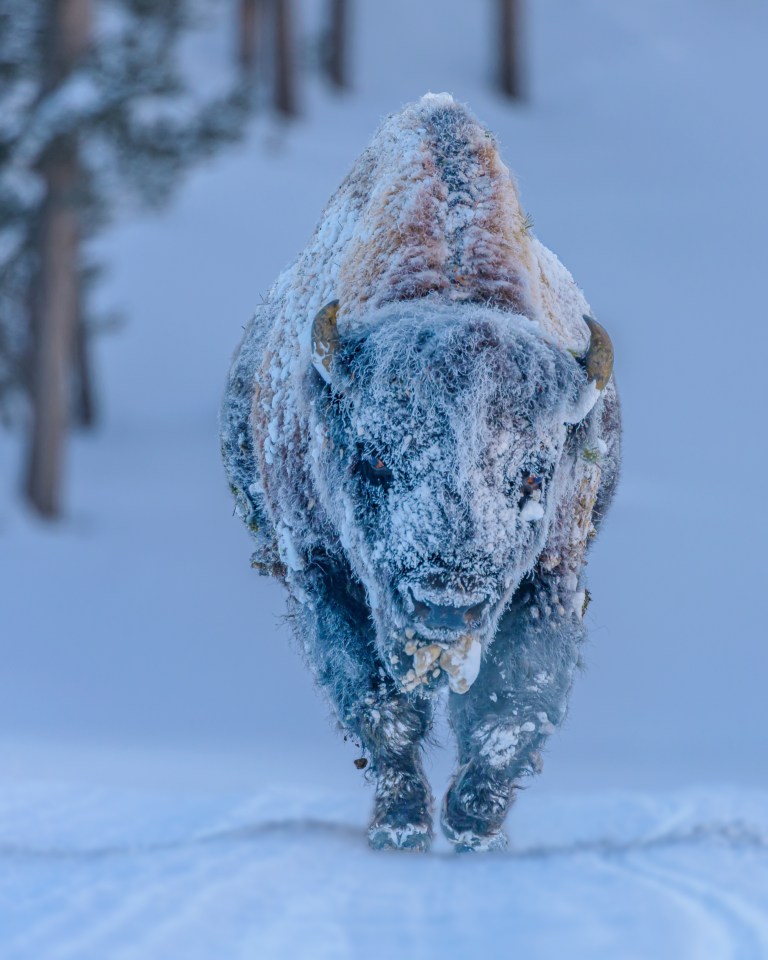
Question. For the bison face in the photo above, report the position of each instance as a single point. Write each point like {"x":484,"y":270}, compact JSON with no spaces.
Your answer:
{"x":441,"y":450}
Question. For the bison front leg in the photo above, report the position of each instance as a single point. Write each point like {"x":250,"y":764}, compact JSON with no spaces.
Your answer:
{"x":391,"y":727}
{"x":517,"y":701}
{"x":339,"y":643}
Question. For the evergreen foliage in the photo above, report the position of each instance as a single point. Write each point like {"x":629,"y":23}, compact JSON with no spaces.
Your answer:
{"x":129,"y":106}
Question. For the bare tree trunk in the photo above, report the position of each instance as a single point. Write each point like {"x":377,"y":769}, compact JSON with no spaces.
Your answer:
{"x":59,"y":277}
{"x":510,"y":70}
{"x":70,"y":35}
{"x":285,"y":59}
{"x":54,"y":335}
{"x":32,"y":309}
{"x":337,"y":47}
{"x":84,"y":395}
{"x":250,"y":31}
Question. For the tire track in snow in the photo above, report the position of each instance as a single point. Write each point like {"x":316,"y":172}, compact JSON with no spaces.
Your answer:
{"x":743,"y":926}
{"x":736,"y":834}
{"x":230,"y":835}
{"x":204,"y":893}
{"x":130,"y":914}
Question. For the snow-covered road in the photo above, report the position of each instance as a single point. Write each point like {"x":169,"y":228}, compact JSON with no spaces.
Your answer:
{"x":127,"y":875}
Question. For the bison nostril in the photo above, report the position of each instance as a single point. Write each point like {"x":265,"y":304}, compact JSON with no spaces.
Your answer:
{"x":475,"y":613}
{"x":444,"y":615}
{"x":422,"y":610}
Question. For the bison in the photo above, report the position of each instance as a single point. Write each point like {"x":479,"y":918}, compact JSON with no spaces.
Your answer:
{"x":421,"y":432}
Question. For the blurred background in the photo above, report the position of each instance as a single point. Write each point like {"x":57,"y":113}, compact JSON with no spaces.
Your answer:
{"x":160,"y":162}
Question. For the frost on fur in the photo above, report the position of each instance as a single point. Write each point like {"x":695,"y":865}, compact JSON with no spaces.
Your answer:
{"x":426,"y":463}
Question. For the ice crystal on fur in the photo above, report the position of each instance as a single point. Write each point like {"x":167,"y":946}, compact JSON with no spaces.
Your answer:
{"x":427,"y":483}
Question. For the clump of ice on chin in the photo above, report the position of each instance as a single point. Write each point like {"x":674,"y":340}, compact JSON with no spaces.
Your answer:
{"x":461,"y":661}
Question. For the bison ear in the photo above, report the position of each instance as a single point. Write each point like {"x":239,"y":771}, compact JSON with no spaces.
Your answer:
{"x":597,"y":363}
{"x":325,"y":339}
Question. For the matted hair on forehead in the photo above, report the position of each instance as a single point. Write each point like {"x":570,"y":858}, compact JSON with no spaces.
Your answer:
{"x":428,"y":354}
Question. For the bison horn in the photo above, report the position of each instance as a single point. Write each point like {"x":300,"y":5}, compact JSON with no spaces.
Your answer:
{"x":325,"y":339}
{"x":598,"y":360}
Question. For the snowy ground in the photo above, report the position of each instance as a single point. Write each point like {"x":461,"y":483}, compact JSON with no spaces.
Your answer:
{"x":170,"y":784}
{"x":159,"y":876}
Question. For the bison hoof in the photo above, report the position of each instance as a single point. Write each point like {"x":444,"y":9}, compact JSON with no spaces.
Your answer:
{"x":416,"y":837}
{"x":402,"y":813}
{"x":478,"y":829}
{"x":467,"y":841}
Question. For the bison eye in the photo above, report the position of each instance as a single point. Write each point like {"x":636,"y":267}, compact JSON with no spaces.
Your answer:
{"x":375,"y":470}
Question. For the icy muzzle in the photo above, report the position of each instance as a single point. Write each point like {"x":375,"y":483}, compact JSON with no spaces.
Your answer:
{"x":459,"y":661}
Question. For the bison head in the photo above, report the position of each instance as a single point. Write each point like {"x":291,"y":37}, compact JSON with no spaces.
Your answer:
{"x":442,"y":442}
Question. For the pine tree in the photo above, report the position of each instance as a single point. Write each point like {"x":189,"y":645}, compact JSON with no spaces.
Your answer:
{"x":83,"y":116}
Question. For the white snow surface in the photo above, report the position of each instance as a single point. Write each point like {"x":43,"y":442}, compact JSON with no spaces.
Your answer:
{"x":170,"y":784}
{"x":136,"y":875}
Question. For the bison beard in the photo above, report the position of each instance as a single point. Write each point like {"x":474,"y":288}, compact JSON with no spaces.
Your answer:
{"x":421,"y":431}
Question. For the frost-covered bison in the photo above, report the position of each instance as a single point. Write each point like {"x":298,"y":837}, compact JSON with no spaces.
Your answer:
{"x":422,"y":433}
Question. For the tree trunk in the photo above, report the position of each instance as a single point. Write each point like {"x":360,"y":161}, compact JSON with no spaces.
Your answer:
{"x":337,"y":46}
{"x":250,"y":31}
{"x":54,"y":334}
{"x":285,"y":60}
{"x":510,"y":70}
{"x":84,"y":396}
{"x":59,"y":277}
